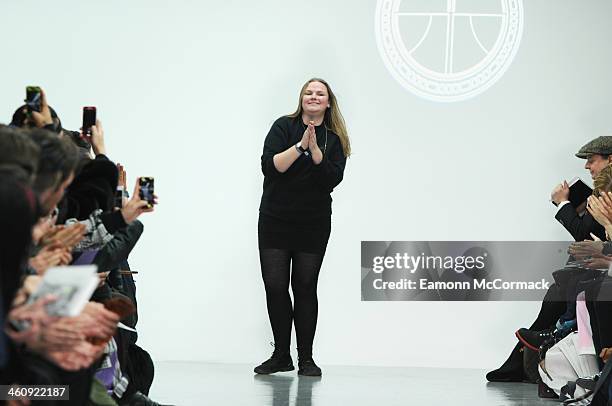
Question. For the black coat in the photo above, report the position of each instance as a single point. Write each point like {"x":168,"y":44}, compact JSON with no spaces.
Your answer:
{"x":580,"y":227}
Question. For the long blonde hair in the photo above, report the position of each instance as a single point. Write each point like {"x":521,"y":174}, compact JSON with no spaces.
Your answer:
{"x":333,"y":117}
{"x":603,"y":182}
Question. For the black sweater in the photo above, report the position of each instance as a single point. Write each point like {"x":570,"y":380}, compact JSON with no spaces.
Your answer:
{"x":302,"y":193}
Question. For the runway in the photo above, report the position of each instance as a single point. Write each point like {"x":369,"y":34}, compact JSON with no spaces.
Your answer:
{"x":185,"y":383}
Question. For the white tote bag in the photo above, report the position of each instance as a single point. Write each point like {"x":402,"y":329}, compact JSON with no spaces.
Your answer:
{"x":573,"y":357}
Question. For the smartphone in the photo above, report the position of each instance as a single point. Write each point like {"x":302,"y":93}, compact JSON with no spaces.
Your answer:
{"x":33,"y":98}
{"x":89,"y":119}
{"x":146,"y":184}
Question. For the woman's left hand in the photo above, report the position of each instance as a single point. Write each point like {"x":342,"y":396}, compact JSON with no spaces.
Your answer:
{"x":317,"y":154}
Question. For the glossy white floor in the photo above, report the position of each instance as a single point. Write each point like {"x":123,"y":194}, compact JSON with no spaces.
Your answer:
{"x":181,"y":383}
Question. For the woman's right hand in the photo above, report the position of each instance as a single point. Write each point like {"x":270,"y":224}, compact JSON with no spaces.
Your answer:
{"x":305,"y":138}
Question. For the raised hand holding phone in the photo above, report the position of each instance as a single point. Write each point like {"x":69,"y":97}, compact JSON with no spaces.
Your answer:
{"x":146,"y":189}
{"x":43,"y":117}
{"x":137,"y":205}
{"x":97,"y":139}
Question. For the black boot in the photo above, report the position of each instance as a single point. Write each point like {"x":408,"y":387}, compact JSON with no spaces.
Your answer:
{"x":511,"y":370}
{"x":533,"y":339}
{"x":278,"y":362}
{"x":307,"y":367}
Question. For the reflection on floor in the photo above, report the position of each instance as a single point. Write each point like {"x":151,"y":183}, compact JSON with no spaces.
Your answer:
{"x":182,"y":383}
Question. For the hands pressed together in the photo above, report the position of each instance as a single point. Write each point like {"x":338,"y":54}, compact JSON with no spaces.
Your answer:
{"x":309,"y":142}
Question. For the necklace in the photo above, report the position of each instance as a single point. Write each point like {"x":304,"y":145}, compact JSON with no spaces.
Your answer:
{"x":325,"y":145}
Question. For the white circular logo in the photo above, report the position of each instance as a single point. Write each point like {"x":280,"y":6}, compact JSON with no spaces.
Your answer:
{"x":452,"y":53}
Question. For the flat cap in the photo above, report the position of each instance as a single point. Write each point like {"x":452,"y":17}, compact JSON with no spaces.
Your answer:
{"x":600,"y":146}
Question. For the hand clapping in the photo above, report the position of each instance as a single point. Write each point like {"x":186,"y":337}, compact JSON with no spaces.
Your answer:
{"x":601,"y":208}
{"x":317,"y":155}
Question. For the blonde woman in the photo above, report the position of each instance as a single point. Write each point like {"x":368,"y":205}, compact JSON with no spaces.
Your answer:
{"x":600,"y":203}
{"x":600,"y":207}
{"x":303,"y":160}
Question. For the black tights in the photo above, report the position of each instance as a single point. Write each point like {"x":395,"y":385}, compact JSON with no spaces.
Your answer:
{"x":304,"y":276}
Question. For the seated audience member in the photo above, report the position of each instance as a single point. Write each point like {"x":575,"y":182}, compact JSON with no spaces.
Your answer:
{"x":567,"y":321}
{"x":598,"y":155}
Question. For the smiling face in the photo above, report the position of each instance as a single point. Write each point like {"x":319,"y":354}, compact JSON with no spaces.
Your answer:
{"x":315,"y":99}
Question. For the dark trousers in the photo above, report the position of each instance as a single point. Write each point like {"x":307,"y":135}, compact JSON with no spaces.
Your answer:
{"x":553,"y":306}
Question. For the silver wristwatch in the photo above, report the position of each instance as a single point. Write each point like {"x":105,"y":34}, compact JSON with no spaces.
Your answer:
{"x":299,"y":148}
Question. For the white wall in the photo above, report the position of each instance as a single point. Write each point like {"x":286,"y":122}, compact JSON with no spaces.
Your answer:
{"x":187,"y":91}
